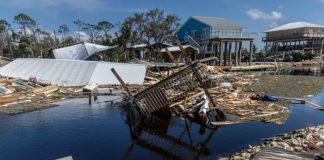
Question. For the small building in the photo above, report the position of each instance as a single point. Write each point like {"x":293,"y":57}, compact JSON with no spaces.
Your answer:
{"x":139,"y":51}
{"x":178,"y":55}
{"x":215,"y":37}
{"x":301,"y":36}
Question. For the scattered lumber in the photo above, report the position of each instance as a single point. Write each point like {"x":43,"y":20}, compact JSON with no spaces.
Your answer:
{"x":8,"y":99}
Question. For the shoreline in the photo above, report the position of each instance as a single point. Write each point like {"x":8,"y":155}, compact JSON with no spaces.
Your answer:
{"x":306,"y":141}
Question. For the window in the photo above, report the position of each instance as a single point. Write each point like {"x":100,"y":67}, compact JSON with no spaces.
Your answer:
{"x":205,"y":32}
{"x":193,"y":33}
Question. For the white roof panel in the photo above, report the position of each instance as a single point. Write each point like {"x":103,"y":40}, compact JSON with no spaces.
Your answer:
{"x":130,"y":73}
{"x":73,"y":72}
{"x":80,"y":51}
{"x":295,"y":25}
{"x":177,"y":48}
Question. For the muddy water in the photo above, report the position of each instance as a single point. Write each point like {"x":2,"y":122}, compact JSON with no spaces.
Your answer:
{"x":102,"y":131}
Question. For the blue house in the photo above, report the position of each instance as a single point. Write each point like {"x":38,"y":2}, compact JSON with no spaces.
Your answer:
{"x":214,"y":37}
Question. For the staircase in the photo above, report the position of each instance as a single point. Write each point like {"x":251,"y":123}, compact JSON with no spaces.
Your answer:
{"x":194,"y":43}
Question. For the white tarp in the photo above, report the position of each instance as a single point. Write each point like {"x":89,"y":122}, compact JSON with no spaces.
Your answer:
{"x":80,"y":51}
{"x":73,"y":72}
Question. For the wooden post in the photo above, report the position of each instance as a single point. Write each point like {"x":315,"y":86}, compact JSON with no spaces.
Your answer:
{"x":90,"y":99}
{"x":215,"y":53}
{"x":225,"y":53}
{"x":230,"y":54}
{"x":172,"y":58}
{"x":251,"y":50}
{"x":276,"y":52}
{"x":321,"y":51}
{"x":221,"y":56}
{"x":240,"y":53}
{"x":122,"y":82}
{"x":236,"y":54}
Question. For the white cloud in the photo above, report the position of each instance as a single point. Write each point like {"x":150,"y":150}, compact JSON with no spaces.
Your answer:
{"x":257,"y":14}
{"x":83,"y":36}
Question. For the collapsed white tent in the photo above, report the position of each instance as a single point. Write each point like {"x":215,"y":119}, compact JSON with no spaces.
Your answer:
{"x":73,"y":72}
{"x":80,"y":51}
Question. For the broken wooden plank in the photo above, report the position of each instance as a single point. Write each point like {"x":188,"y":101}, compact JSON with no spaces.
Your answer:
{"x":8,"y":99}
{"x":122,"y":82}
{"x":46,"y":90}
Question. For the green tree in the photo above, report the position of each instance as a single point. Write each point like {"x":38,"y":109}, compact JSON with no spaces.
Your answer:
{"x":25,"y":46}
{"x":78,"y":23}
{"x":25,"y":22}
{"x":152,"y":27}
{"x":64,"y":30}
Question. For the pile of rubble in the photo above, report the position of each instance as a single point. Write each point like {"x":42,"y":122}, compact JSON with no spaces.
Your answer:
{"x":309,"y":140}
{"x":229,"y":93}
{"x":18,"y":96}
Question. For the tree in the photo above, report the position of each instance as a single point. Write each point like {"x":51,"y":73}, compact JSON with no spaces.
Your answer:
{"x":105,"y":27}
{"x":4,"y":26}
{"x":64,"y":30}
{"x":152,"y":27}
{"x":26,"y":46}
{"x":78,"y":23}
{"x":4,"y":35}
{"x":25,"y":21}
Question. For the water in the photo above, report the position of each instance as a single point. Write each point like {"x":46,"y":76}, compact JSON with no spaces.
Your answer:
{"x":102,"y":131}
{"x":306,"y":71}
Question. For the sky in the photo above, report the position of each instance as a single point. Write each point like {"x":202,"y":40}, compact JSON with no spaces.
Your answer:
{"x":254,"y":15}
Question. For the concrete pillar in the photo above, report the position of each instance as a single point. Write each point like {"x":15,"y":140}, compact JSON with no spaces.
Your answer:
{"x":240,"y":53}
{"x":236,"y":54}
{"x":230,"y":54}
{"x":251,"y":52}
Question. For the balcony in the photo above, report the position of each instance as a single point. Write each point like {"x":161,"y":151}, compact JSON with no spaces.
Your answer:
{"x":234,"y":35}
{"x":294,"y":36}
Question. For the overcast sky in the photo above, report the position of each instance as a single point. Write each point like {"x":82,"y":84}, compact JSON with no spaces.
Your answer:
{"x":255,"y":15}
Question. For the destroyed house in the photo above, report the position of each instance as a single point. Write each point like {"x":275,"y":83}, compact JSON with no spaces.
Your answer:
{"x":79,"y":51}
{"x":139,"y":51}
{"x":214,"y":37}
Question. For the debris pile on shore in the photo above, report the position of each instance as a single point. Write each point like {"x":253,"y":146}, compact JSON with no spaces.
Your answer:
{"x":309,"y":140}
{"x":230,"y":96}
{"x":19,"y":95}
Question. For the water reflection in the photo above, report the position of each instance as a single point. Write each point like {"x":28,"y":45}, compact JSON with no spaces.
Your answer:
{"x":305,"y":71}
{"x":152,"y":134}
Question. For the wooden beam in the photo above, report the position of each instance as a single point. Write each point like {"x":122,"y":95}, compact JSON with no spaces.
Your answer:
{"x":236,"y":54}
{"x":130,"y":95}
{"x":172,"y":58}
{"x":251,"y":52}
{"x":230,"y":54}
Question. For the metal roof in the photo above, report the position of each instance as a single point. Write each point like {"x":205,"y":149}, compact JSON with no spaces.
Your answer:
{"x":177,"y":48}
{"x":130,"y":73}
{"x":295,"y":25}
{"x":80,"y":51}
{"x":73,"y":72}
{"x":217,"y":22}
